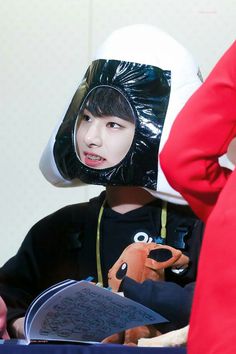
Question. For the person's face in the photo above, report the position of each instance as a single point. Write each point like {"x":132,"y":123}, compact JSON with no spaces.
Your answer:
{"x":103,"y":142}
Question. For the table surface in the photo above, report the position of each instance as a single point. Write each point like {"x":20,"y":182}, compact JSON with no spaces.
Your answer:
{"x":10,"y":347}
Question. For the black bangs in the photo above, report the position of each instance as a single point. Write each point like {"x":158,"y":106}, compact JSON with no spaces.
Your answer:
{"x":107,"y":101}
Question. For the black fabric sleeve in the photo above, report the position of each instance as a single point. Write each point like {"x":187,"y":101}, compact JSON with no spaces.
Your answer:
{"x":192,"y":250}
{"x":47,"y":255}
{"x":168,"y":299}
{"x":194,"y":244}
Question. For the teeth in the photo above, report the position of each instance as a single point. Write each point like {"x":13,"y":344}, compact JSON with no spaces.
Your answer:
{"x":92,"y":157}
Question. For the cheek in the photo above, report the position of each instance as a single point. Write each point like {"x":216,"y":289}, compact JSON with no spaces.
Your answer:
{"x":118,"y":145}
{"x":118,"y":150}
{"x":80,"y":134}
{"x":79,"y":140}
{"x":126,"y":142}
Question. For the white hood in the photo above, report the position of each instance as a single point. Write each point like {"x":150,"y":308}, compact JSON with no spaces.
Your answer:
{"x":149,"y":45}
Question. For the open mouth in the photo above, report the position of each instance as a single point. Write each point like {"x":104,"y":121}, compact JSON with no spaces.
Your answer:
{"x":93,"y":160}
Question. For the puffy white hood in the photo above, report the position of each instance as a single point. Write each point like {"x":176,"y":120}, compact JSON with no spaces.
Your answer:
{"x":142,"y":44}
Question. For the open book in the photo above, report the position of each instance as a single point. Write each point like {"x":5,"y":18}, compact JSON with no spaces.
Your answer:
{"x":80,"y":311}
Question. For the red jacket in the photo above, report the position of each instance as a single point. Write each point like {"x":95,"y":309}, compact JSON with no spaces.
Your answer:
{"x":200,"y":134}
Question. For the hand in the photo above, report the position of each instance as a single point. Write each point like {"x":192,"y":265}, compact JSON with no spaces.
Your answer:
{"x":3,"y":315}
{"x":131,"y":336}
{"x":17,"y":328}
{"x":171,"y":339}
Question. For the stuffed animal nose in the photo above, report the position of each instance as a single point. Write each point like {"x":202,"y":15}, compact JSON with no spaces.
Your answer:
{"x":162,"y":257}
{"x":160,"y":254}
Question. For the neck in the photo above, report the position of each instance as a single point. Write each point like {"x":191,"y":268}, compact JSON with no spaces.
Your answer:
{"x":125,"y":199}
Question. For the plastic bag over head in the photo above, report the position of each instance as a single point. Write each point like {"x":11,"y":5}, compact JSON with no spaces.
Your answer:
{"x":155,"y":75}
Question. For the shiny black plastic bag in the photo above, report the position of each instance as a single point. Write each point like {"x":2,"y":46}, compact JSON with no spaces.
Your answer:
{"x":147,"y":89}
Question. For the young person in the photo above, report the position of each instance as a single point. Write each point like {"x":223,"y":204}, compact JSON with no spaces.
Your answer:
{"x":104,"y":140}
{"x":114,"y":127}
{"x":202,"y":133}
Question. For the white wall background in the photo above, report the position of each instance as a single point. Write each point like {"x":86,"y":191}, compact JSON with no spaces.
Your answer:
{"x":45,"y":46}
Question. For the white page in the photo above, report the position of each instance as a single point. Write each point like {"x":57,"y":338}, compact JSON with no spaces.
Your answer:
{"x":86,"y":312}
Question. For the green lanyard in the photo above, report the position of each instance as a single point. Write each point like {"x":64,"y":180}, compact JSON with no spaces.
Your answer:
{"x":98,"y":254}
{"x":163,"y":219}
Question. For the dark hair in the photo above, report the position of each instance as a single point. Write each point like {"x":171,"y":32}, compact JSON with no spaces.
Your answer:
{"x":107,"y":101}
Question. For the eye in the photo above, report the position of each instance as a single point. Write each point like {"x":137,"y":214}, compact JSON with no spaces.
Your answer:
{"x":121,"y":273}
{"x":85,"y":118}
{"x":114,"y":125}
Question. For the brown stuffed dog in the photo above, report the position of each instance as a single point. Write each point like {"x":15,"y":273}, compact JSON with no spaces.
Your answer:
{"x":141,"y":261}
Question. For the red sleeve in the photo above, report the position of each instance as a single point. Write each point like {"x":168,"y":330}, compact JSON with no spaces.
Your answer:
{"x":201,"y":133}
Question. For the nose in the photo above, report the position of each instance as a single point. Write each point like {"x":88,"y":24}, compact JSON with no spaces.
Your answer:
{"x":93,"y":135}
